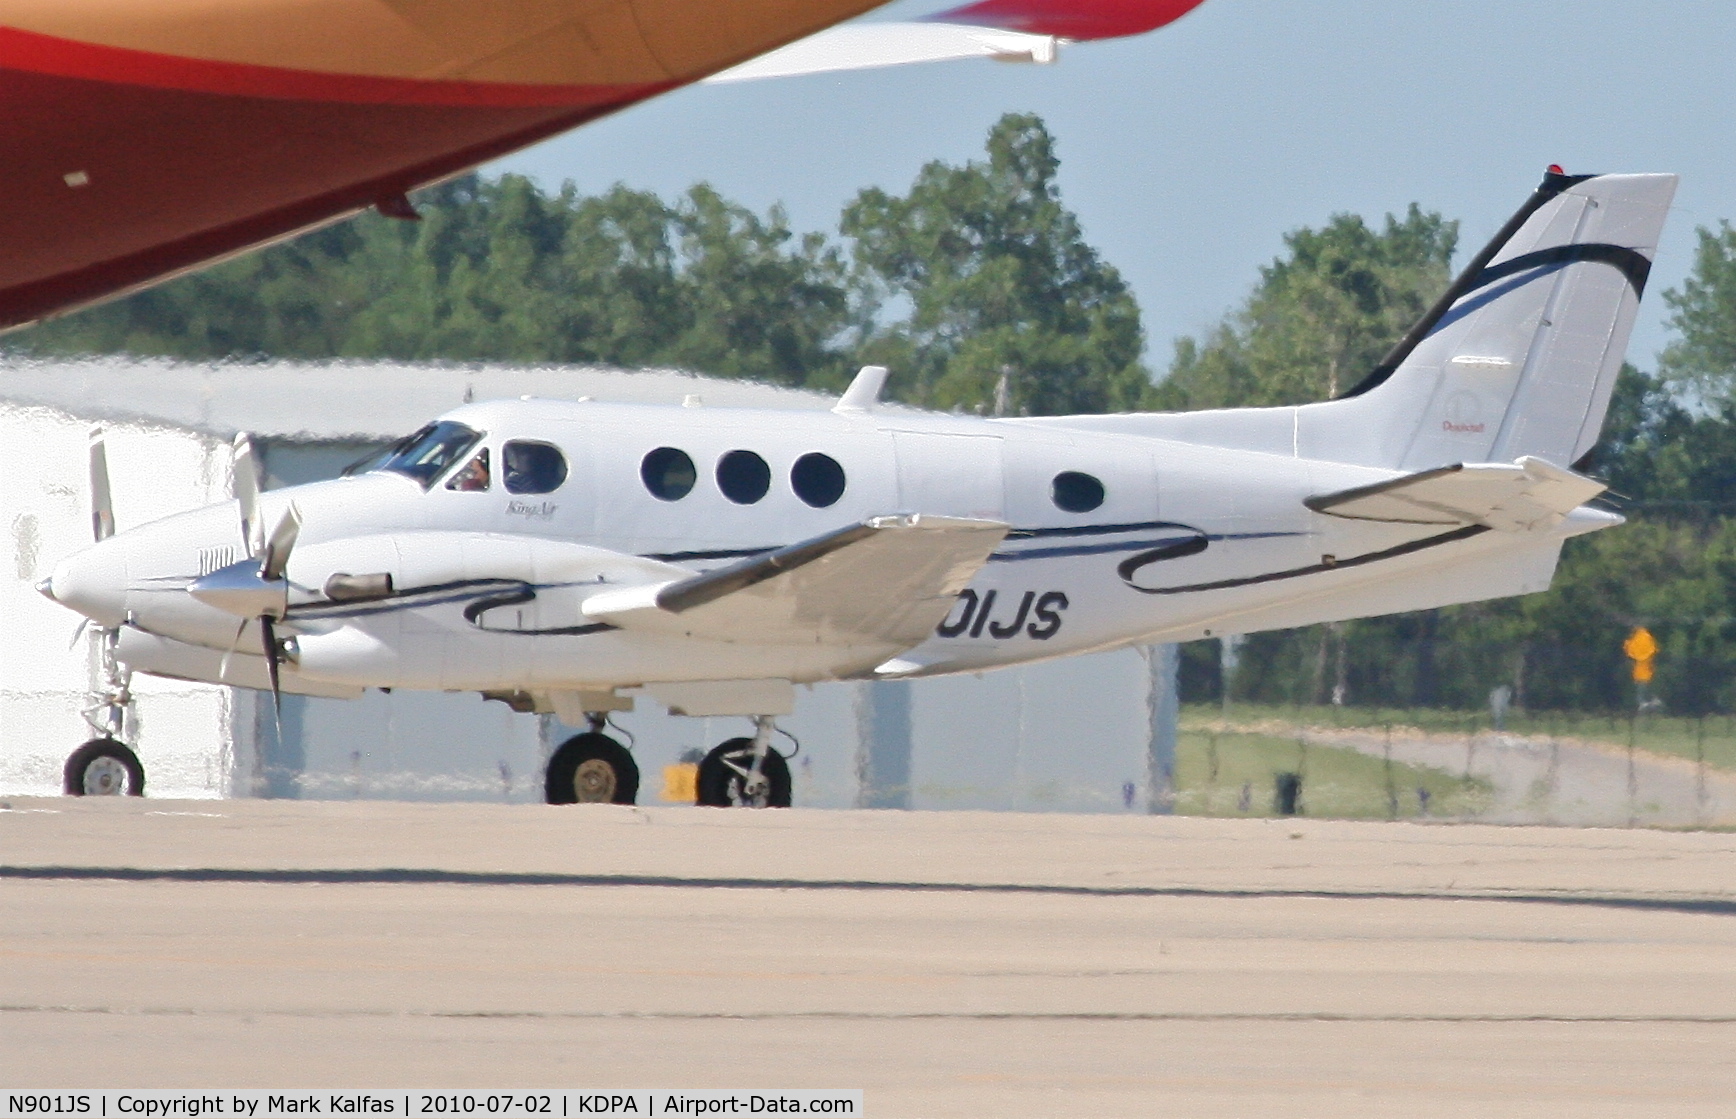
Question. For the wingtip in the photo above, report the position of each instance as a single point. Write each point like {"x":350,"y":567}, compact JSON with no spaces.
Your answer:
{"x":1071,"y":19}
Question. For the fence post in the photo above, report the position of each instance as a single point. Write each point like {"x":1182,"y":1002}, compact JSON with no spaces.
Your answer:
{"x":1391,"y":788}
{"x":1633,"y":777}
{"x":1700,"y":799}
{"x":1163,"y":710}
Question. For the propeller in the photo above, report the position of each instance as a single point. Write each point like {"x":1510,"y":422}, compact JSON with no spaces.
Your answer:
{"x":246,"y":475}
{"x":116,"y":695}
{"x":102,"y":510}
{"x":256,"y":588}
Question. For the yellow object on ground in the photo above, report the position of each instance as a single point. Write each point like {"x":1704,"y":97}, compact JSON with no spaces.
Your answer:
{"x":681,"y":783}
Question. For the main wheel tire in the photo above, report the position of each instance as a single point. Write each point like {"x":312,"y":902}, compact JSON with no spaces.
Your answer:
{"x":723,"y":777}
{"x":591,"y":768}
{"x":104,"y":767}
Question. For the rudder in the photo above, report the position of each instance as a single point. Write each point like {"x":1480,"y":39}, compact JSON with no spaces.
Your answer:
{"x":1520,"y":355}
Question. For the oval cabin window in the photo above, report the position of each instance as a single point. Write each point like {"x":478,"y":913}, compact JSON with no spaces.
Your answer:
{"x":668,"y":473}
{"x":532,"y":467}
{"x":817,"y":479}
{"x":743,"y":477}
{"x":1076,"y":492}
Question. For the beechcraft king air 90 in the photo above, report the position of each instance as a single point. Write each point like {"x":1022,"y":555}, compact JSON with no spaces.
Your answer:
{"x":566,"y":556}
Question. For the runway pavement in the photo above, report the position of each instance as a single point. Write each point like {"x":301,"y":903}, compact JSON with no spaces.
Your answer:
{"x":972,"y":964}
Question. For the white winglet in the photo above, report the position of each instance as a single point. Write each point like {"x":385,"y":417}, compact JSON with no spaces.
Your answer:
{"x":873,"y":45}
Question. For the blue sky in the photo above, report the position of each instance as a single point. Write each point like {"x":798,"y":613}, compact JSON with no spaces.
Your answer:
{"x":1188,"y":153}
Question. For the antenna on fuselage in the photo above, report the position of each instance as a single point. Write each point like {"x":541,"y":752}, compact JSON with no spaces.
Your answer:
{"x":864,"y":392}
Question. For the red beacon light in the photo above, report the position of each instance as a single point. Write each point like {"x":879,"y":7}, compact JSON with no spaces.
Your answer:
{"x":1555,"y":169}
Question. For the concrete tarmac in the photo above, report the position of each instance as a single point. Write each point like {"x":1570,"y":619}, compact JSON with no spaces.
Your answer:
{"x":970,"y":964}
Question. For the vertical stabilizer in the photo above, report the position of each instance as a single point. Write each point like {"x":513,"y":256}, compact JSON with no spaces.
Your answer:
{"x":1521,"y":353}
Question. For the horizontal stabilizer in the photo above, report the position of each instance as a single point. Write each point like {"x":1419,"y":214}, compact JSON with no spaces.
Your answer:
{"x":1529,"y":495}
{"x":887,"y":581}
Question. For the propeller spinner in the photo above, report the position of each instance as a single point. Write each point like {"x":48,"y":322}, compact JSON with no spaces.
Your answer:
{"x":256,"y":588}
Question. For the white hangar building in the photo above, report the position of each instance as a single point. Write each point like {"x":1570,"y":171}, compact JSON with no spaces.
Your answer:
{"x":1092,"y":734}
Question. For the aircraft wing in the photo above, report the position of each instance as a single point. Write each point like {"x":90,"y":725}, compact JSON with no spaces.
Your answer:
{"x":1003,"y":30}
{"x":885,"y":581}
{"x":1524,"y":496}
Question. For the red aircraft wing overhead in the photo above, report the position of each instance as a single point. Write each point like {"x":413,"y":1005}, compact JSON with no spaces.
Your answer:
{"x":146,"y":137}
{"x":1070,"y":19}
{"x":143,"y":138}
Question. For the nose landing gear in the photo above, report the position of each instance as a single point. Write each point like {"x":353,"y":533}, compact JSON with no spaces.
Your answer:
{"x":105,"y":766}
{"x":746,"y":772}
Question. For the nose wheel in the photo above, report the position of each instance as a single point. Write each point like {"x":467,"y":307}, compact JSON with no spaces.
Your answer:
{"x":106,"y":766}
{"x":745,"y":772}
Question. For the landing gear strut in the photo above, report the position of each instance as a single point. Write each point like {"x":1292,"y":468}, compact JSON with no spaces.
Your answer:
{"x":105,"y":766}
{"x":746,"y":772}
{"x":591,"y":768}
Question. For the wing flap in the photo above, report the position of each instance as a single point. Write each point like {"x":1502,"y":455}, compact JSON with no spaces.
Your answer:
{"x":1526,"y":496}
{"x":887,"y":581}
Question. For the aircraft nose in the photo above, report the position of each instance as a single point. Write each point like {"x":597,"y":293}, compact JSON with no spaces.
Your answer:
{"x":93,"y":582}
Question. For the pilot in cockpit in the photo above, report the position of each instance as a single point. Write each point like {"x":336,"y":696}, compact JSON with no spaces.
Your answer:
{"x":472,"y":477}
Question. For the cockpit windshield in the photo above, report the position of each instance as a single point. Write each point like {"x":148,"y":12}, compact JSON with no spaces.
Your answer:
{"x":426,"y":455}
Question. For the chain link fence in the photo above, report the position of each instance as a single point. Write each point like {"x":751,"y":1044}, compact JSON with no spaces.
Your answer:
{"x":1644,"y":770}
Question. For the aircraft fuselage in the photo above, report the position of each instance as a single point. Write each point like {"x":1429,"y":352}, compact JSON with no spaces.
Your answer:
{"x":1113,"y":540}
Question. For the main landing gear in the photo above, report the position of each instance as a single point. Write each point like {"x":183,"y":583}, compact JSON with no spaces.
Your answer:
{"x":591,"y":768}
{"x":105,"y":766}
{"x":746,"y":772}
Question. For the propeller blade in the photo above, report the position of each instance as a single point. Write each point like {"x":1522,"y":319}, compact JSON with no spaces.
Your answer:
{"x":276,"y":558}
{"x":272,"y":653}
{"x":246,"y":478}
{"x":102,"y":512}
{"x":78,"y":633}
{"x":223,"y":666}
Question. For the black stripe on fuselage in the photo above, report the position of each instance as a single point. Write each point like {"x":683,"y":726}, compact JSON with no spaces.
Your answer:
{"x":437,"y":594}
{"x":1189,"y":542}
{"x":722,"y":554}
{"x":1015,"y":534}
{"x":488,"y":594}
{"x":1394,"y":552}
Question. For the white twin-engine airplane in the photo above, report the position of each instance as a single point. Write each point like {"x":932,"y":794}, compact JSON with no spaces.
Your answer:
{"x":559,"y":554}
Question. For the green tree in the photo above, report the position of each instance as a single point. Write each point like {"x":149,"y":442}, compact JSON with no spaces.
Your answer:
{"x":999,"y":282}
{"x":763,"y":303}
{"x":1702,"y":358}
{"x":498,"y":270}
{"x":1320,"y":317}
